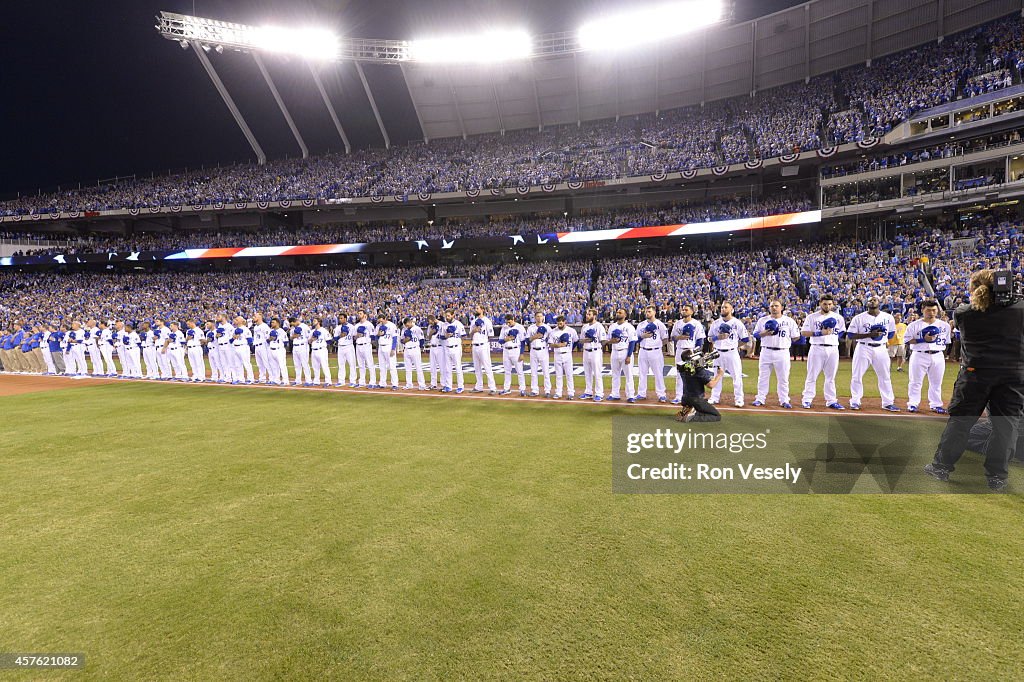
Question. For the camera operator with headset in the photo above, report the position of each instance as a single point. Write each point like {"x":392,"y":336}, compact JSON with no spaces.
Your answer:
{"x":991,"y":375}
{"x":696,"y":378}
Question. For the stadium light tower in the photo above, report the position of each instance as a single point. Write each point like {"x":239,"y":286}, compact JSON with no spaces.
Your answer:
{"x":311,"y":44}
{"x":645,"y":26}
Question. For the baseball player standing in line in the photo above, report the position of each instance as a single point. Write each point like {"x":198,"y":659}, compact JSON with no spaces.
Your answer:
{"x":928,"y":338}
{"x":729,"y":334}
{"x":776,"y":332}
{"x":133,"y":355}
{"x":277,"y":354}
{"x":160,"y":342}
{"x":260,"y":330}
{"x":175,"y":354}
{"x":362,"y":331}
{"x":211,"y":349}
{"x":653,"y":334}
{"x":106,"y":345}
{"x":823,"y":328}
{"x":92,"y":337}
{"x":622,"y":339}
{"x":452,"y":332}
{"x":412,"y":354}
{"x":562,"y":339}
{"x":387,"y":352}
{"x":226,"y":355}
{"x":149,"y":350}
{"x":194,"y":350}
{"x":436,"y":354}
{"x":593,"y":337}
{"x":540,"y":359}
{"x":512,"y":337}
{"x":241,"y":351}
{"x":871,"y":331}
{"x":346,"y":354}
{"x":50,"y":348}
{"x":319,"y":354}
{"x":300,"y":351}
{"x":70,"y":366}
{"x":688,"y":334}
{"x":483,"y":330}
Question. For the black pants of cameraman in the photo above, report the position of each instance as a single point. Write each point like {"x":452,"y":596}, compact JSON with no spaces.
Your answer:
{"x":1002,"y":393}
{"x":703,"y":411}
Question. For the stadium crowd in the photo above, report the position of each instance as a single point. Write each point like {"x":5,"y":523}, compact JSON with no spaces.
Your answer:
{"x":866,"y":101}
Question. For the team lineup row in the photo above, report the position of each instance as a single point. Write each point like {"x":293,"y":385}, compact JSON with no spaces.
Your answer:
{"x":169,"y":351}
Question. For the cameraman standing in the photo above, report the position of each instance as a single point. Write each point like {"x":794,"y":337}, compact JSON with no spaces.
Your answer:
{"x":991,"y":375}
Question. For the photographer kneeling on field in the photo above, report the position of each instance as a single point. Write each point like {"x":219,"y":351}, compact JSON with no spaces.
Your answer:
{"x":696,"y":379}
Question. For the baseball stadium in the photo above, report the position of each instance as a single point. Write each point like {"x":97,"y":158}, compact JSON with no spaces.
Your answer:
{"x":656,"y":340}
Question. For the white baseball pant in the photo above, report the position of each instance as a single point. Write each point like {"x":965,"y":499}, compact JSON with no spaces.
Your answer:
{"x":512,"y":362}
{"x":777,"y":361}
{"x":729,"y":361}
{"x":563,"y":372}
{"x":413,"y":359}
{"x":926,"y":364}
{"x":876,"y":357}
{"x":346,"y":365}
{"x":195,"y":360}
{"x":540,"y":365}
{"x":593,"y":364}
{"x":653,"y":362}
{"x":622,"y":370}
{"x":821,"y":359}
{"x":482,"y":366}
{"x":300,"y":355}
{"x":364,"y":362}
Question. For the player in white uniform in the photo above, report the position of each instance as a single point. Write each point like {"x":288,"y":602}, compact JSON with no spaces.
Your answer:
{"x":512,"y":337}
{"x":174,"y":352}
{"x":823,"y":328}
{"x":319,"y":353}
{"x":133,"y":355}
{"x":346,"y":354}
{"x":623,"y":342}
{"x":540,"y":357}
{"x":728,"y":334}
{"x":149,"y":353}
{"x":436,"y":353}
{"x":452,"y":332}
{"x":106,"y":348}
{"x":163,"y":361}
{"x":592,"y":336}
{"x":260,"y":330}
{"x":928,"y":338}
{"x":241,"y":347}
{"x":776,"y":332}
{"x":70,"y":366}
{"x":194,"y":338}
{"x":92,"y":347}
{"x":412,"y":354}
{"x":225,"y":355}
{"x":277,"y":354}
{"x":362,"y":333}
{"x":300,"y":333}
{"x":870,"y":331}
{"x":652,"y":335}
{"x":387,"y":352}
{"x":687,"y":335}
{"x":482,"y":330}
{"x":76,"y":340}
{"x":210,"y":342}
{"x":561,"y":339}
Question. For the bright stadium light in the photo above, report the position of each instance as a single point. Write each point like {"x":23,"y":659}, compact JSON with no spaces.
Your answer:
{"x":310,"y":43}
{"x":487,"y":47}
{"x":650,"y":25}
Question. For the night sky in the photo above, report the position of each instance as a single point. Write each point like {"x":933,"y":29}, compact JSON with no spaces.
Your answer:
{"x":92,"y":91}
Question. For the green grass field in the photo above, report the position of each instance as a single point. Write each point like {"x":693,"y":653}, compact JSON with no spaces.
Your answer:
{"x":179,"y":532}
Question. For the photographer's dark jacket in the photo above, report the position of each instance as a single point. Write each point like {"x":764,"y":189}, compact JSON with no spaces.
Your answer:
{"x":993,"y":339}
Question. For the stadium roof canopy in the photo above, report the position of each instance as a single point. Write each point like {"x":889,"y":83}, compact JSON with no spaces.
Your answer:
{"x":561,"y":83}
